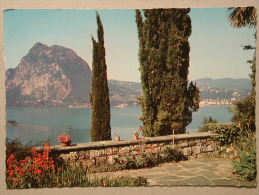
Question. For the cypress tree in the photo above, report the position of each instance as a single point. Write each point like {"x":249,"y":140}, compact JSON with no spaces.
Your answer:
{"x":100,"y":123}
{"x":168,"y":100}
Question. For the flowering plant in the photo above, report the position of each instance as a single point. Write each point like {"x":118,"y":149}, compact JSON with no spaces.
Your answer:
{"x":32,"y":171}
{"x":135,"y":132}
{"x":65,"y":137}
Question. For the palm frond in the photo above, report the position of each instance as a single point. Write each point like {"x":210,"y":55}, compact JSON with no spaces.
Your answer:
{"x":242,"y":16}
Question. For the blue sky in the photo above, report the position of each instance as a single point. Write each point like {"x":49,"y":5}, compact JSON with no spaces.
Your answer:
{"x":216,"y":47}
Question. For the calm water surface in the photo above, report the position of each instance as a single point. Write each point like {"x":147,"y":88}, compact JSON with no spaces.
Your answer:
{"x":40,"y":124}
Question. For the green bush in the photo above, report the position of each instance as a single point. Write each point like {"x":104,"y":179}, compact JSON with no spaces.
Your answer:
{"x":206,"y":122}
{"x":227,"y":134}
{"x":14,"y":146}
{"x":245,"y":161}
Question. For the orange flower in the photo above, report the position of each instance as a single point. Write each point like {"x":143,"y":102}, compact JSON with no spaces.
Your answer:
{"x":37,"y":171}
{"x":16,"y":179}
{"x":10,"y":166}
{"x":11,"y":173}
{"x":33,"y":150}
{"x":9,"y":161}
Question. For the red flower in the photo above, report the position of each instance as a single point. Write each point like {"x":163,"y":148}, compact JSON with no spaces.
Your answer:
{"x":37,"y":171}
{"x":9,"y":161}
{"x":11,"y":173}
{"x":145,"y":164}
{"x":16,"y":179}
{"x":12,"y":156}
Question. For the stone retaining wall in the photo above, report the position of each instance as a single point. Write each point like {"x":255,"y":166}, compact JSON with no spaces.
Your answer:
{"x":96,"y":153}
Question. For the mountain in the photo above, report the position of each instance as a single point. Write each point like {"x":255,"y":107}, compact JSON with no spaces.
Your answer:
{"x":57,"y":76}
{"x":49,"y":75}
{"x":225,"y":83}
{"x":124,"y":92}
{"x":212,"y":91}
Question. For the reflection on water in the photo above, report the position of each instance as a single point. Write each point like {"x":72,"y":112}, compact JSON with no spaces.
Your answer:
{"x":41,"y":124}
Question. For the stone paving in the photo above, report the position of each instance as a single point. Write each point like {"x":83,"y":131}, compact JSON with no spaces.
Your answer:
{"x":195,"y":172}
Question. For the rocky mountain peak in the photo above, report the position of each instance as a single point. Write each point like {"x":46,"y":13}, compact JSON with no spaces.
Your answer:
{"x":37,"y":49}
{"x":49,"y":74}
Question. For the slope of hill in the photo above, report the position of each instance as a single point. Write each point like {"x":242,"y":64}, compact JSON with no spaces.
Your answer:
{"x":56,"y":76}
{"x":123,"y":93}
{"x":48,"y":75}
{"x":225,"y":83}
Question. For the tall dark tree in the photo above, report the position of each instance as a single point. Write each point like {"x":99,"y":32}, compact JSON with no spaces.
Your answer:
{"x":244,"y":110}
{"x":100,"y":123}
{"x":168,"y":100}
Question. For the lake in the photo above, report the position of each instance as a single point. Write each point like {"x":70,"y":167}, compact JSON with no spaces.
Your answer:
{"x":42,"y":123}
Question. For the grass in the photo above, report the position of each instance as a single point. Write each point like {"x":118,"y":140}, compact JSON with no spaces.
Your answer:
{"x":27,"y":168}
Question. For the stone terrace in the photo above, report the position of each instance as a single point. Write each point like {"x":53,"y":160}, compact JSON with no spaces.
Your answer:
{"x":96,"y":153}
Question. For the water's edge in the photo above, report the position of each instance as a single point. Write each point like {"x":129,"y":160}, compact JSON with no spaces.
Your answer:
{"x":42,"y":123}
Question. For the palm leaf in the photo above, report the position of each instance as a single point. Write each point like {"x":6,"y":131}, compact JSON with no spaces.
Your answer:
{"x":242,"y":16}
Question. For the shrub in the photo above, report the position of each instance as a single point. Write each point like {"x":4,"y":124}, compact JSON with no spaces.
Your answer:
{"x":206,"y":122}
{"x":39,"y":170}
{"x":33,"y":171}
{"x":14,"y":146}
{"x":245,"y":161}
{"x":226,"y":133}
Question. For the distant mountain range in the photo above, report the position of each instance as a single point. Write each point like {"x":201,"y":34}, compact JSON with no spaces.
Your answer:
{"x":57,"y":76}
{"x":225,"y":83}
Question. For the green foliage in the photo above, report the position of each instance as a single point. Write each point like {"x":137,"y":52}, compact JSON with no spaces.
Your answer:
{"x":168,"y":101}
{"x":245,"y":109}
{"x":206,"y":121}
{"x":39,"y":170}
{"x":14,"y":146}
{"x":226,"y":133}
{"x":100,"y":123}
{"x":245,"y":162}
{"x":242,"y":16}
{"x":74,"y":176}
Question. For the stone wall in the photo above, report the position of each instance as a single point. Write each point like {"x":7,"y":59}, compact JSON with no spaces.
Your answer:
{"x":97,"y":153}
